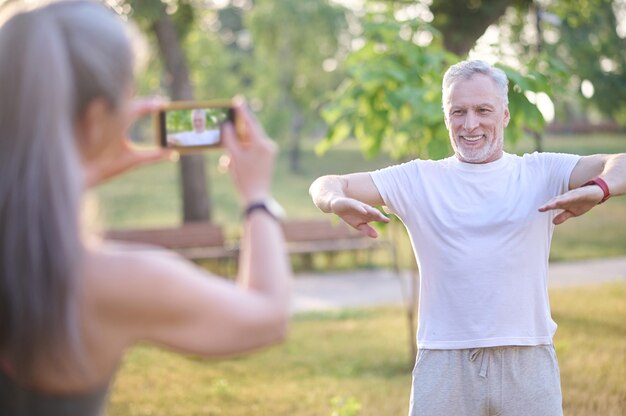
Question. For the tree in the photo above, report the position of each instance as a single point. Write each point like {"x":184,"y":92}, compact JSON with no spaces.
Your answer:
{"x":295,"y":44}
{"x":219,"y":51}
{"x":590,"y":47}
{"x":463,"y":22}
{"x":391,"y":98}
{"x":579,"y":38}
{"x":280,"y":54}
{"x":167,"y":23}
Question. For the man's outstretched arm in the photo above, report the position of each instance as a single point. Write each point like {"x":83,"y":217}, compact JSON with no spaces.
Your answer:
{"x":580,"y":198}
{"x":352,"y":197}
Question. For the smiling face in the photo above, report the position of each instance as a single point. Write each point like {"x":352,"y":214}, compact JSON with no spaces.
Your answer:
{"x":198,"y":119}
{"x":476,"y":116}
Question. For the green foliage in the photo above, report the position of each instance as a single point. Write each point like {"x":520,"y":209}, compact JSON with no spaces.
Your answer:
{"x":181,"y":120}
{"x":391,"y":99}
{"x":178,"y":120}
{"x":581,"y":37}
{"x":590,"y":48}
{"x":145,"y":11}
{"x":291,"y":41}
{"x":182,"y":12}
{"x":218,"y":55}
{"x":463,"y":22}
{"x":542,"y":74}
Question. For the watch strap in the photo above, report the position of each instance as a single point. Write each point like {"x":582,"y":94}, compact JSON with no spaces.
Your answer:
{"x":262,"y":205}
{"x":602,"y":184}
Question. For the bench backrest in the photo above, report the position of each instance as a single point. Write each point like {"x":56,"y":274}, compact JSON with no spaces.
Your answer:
{"x":317,"y":230}
{"x":203,"y":234}
{"x":199,"y":234}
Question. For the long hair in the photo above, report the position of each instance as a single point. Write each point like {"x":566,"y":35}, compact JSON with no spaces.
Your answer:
{"x":53,"y":62}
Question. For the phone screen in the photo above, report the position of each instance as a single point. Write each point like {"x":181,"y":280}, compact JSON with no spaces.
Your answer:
{"x":195,"y":127}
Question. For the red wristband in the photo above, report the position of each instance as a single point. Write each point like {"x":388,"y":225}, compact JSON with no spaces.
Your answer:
{"x":605,"y":188}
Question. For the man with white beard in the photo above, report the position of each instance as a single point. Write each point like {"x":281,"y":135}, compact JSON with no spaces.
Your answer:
{"x":481,"y":223}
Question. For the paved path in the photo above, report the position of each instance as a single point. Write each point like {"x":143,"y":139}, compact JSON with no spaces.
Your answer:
{"x":315,"y":291}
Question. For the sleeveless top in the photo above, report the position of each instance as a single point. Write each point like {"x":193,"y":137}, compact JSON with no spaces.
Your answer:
{"x":16,"y":400}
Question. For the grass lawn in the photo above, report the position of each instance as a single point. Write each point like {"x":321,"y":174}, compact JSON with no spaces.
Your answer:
{"x":356,"y":362}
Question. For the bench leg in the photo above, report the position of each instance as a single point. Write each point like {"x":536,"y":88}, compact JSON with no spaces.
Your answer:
{"x":307,"y":261}
{"x":331,"y":259}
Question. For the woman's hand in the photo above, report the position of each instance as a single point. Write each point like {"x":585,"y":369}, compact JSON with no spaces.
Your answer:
{"x":250,"y":158}
{"x":124,"y":155}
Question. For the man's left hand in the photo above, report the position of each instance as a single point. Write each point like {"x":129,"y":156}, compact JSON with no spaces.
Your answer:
{"x":574,"y":203}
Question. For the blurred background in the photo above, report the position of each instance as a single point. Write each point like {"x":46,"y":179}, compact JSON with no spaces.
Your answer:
{"x":355,"y":85}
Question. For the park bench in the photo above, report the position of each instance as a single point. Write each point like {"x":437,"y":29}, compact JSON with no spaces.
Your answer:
{"x":196,"y":241}
{"x":305,"y":238}
{"x":311,"y":236}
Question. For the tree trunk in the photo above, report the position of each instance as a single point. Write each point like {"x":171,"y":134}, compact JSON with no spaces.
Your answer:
{"x":287,"y":101}
{"x":296,"y":133}
{"x":195,"y":190}
{"x":463,"y":22}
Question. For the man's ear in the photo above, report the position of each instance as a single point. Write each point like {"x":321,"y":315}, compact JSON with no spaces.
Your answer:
{"x":507,"y":116}
{"x":91,"y":125}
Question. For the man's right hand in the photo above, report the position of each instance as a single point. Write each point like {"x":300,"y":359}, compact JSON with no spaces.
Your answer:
{"x":352,"y":197}
{"x":357,"y":214}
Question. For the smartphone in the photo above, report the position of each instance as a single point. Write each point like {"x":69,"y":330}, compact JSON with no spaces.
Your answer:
{"x":188,"y":126}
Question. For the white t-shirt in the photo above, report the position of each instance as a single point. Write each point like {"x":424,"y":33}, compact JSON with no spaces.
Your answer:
{"x":481,"y":245}
{"x":193,"y":138}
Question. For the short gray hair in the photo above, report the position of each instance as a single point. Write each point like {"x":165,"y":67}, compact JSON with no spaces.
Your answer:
{"x":466,"y":69}
{"x":200,"y":111}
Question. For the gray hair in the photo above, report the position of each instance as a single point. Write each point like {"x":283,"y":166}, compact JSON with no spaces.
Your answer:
{"x":466,"y":69}
{"x":200,"y":111}
{"x":54,"y":61}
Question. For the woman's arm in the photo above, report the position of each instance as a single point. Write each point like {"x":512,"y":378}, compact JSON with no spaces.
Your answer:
{"x":159,"y":297}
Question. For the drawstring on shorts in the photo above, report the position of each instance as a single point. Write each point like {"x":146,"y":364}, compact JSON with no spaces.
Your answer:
{"x":484,"y":360}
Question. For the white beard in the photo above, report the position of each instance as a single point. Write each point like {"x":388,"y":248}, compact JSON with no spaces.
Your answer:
{"x":477,"y":155}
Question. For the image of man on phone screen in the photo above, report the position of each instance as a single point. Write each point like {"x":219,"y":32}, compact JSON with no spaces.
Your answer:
{"x":199,"y":136}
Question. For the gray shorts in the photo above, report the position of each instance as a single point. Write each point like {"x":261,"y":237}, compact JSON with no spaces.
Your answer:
{"x":502,"y":381}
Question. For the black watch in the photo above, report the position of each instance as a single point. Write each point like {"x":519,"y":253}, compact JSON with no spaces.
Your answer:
{"x":269,"y":205}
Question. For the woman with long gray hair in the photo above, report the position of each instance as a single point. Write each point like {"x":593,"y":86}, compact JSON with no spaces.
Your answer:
{"x":70,"y":305}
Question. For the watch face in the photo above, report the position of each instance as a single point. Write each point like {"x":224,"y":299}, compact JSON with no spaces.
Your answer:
{"x":275,"y":208}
